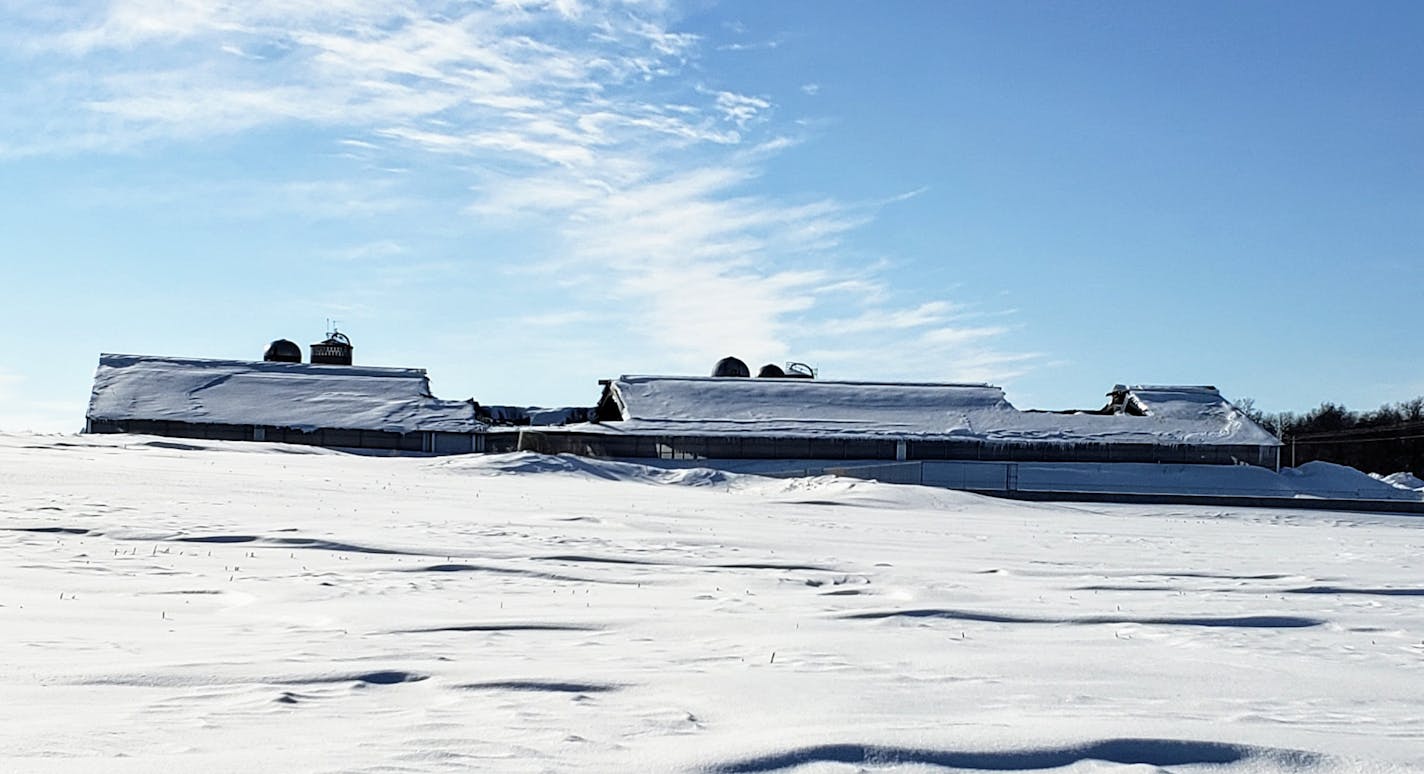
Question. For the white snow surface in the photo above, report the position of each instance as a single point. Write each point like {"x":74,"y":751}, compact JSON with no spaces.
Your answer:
{"x":226,"y":607}
{"x":296,"y":395}
{"x":804,"y":407}
{"x":1402,"y":480}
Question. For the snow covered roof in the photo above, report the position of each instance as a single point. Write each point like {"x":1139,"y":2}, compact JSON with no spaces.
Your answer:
{"x":804,"y":407}
{"x":295,"y":395}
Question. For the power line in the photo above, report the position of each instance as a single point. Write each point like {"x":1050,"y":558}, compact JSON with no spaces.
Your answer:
{"x":1324,"y":441}
{"x":1402,"y":427}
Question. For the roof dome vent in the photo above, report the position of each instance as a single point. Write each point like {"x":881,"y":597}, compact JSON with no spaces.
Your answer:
{"x":283,"y":351}
{"x":771,"y":371}
{"x":730,"y":366}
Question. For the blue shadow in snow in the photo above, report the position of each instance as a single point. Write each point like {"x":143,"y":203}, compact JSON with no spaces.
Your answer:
{"x":509,"y":627}
{"x":1149,"y":752}
{"x":382,"y":677}
{"x":1416,"y":592}
{"x":542,"y":686}
{"x":512,"y":571}
{"x":1243,"y":622}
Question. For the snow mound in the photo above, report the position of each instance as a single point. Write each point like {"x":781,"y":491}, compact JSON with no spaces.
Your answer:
{"x":828,"y":490}
{"x":530,"y":463}
{"x":1326,"y":479}
{"x":811,"y":489}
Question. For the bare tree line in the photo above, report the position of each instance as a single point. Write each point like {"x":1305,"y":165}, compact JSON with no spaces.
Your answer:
{"x":1385,"y":440}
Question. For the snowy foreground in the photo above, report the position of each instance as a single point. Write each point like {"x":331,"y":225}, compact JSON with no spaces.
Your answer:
{"x":215,"y":607}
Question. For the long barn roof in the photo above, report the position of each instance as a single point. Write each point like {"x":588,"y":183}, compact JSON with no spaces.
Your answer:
{"x":294,"y":395}
{"x":811,"y":408}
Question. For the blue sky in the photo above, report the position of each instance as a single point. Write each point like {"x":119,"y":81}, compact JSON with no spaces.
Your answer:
{"x":524,"y":197}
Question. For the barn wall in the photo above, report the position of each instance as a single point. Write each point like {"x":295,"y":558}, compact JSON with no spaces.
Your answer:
{"x":758,"y":447}
{"x":439,"y":443}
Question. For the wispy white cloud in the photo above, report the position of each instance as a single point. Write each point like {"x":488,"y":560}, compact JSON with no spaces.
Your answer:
{"x":760,"y":45}
{"x":575,"y":120}
{"x":926,"y":314}
{"x":739,"y":108}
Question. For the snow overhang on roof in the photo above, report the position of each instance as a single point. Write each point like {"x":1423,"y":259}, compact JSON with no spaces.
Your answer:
{"x":807,"y":408}
{"x":267,"y":394}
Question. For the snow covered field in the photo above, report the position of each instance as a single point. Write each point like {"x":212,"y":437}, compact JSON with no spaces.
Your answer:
{"x":200,"y":606}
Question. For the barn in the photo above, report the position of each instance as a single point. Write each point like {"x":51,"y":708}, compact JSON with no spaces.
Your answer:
{"x":680,"y":417}
{"x":342,"y":406}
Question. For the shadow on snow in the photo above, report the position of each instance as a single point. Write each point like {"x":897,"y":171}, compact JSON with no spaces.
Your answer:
{"x":1150,"y":752}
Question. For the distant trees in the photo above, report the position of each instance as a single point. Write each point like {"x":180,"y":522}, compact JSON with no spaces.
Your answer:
{"x":1385,"y":440}
{"x":1332,"y":417}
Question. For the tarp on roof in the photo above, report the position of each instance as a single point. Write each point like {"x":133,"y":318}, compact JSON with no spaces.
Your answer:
{"x":259,"y":393}
{"x":814,"y":408}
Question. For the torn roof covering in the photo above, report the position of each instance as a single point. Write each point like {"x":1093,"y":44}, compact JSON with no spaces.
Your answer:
{"x":806,"y":408}
{"x":266,"y":394}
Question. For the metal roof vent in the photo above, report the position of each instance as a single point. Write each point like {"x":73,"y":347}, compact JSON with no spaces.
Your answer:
{"x":336,"y":350}
{"x":730,"y":366}
{"x":283,"y":351}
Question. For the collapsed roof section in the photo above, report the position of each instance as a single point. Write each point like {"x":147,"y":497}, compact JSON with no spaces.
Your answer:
{"x":273,"y":394}
{"x":699,"y":406}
